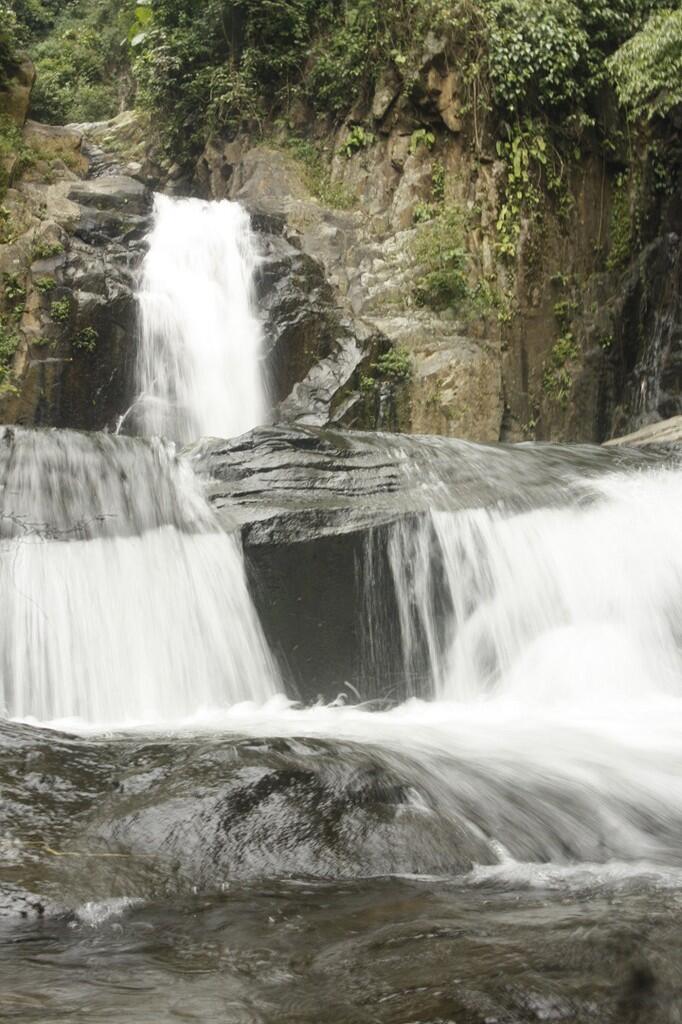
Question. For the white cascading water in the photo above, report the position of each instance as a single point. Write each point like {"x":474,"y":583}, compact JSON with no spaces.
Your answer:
{"x":199,"y":367}
{"x":563,"y":603}
{"x":555,"y":724}
{"x":122,"y":601}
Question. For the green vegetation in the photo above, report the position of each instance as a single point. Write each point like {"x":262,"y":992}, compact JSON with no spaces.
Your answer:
{"x":10,"y":147}
{"x":358,"y":138}
{"x":647,"y":69}
{"x":557,"y":381}
{"x":226,"y":64}
{"x":5,"y":224}
{"x":438,"y":181}
{"x":421,"y":137}
{"x":9,"y":39}
{"x":81,"y":54}
{"x":45,"y":250}
{"x":621,"y":228}
{"x":395,"y":364}
{"x":439,"y":249}
{"x":9,"y":342}
{"x":564,"y":311}
{"x":424,"y":210}
{"x":45,"y":284}
{"x":14,"y":293}
{"x":538,"y":53}
{"x":86,"y":340}
{"x":316,"y":174}
{"x":16,"y":155}
{"x":534,"y":168}
{"x":393,"y":367}
{"x":60,"y":311}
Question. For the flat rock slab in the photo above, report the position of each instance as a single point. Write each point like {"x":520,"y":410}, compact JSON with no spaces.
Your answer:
{"x":665,"y":432}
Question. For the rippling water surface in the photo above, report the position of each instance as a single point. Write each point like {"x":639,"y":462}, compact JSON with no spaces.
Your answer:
{"x":187,"y":876}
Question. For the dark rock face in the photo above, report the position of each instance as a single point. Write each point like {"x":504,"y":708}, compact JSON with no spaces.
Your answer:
{"x":307,"y":501}
{"x":314,"y":351}
{"x":648,"y":374}
{"x":75,"y":366}
{"x":100,"y":271}
{"x":273,"y":808}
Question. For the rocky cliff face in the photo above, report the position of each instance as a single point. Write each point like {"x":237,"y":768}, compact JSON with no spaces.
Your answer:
{"x":569,"y":334}
{"x":455,"y":385}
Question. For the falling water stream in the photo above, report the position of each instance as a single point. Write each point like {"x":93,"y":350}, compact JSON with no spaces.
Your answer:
{"x":182,"y":841}
{"x":199,"y":371}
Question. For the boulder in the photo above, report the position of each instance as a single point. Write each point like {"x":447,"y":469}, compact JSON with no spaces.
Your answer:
{"x":15,"y":96}
{"x":197,"y":813}
{"x":312,"y":348}
{"x":276,"y":808}
{"x":52,"y":142}
{"x":386,"y":92}
{"x":310,"y":504}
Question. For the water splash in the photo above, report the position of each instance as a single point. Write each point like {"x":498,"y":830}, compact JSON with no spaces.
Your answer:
{"x":199,"y":362}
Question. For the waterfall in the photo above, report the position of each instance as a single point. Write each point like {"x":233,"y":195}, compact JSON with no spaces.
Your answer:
{"x":564,"y":603}
{"x":122,"y":601}
{"x":199,"y":361}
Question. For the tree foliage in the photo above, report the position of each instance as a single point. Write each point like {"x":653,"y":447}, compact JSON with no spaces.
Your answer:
{"x":79,"y":48}
{"x":221,"y":64}
{"x":647,"y":69}
{"x":8,"y":38}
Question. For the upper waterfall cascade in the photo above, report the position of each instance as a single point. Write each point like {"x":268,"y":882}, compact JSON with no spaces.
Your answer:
{"x":199,"y":363}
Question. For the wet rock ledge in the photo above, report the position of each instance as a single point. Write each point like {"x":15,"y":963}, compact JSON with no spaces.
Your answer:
{"x":312,"y":506}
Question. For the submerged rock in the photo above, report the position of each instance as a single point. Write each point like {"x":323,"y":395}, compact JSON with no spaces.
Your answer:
{"x":196,"y":813}
{"x":275,"y":808}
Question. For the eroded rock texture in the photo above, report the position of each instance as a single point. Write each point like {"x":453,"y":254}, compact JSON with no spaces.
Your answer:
{"x":69,"y":268}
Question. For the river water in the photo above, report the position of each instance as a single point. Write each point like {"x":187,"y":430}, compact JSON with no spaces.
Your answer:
{"x":179,"y":840}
